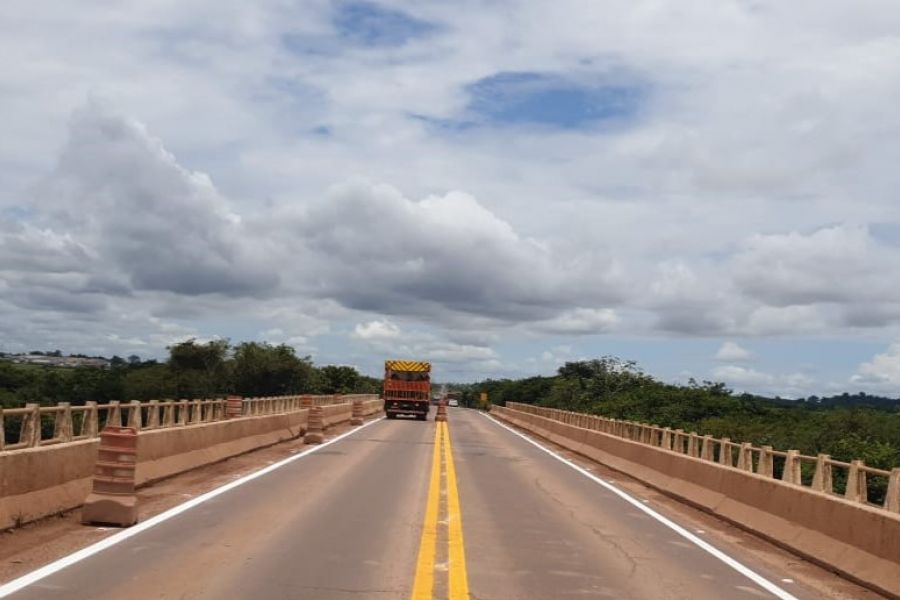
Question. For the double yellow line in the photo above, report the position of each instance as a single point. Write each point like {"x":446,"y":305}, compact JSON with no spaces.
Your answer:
{"x":457,"y":579}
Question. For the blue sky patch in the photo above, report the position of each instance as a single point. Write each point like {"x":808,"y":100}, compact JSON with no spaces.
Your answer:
{"x":519,"y":98}
{"x":369,"y":24}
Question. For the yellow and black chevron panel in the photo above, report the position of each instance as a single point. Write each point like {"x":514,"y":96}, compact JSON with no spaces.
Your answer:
{"x":408,"y":366}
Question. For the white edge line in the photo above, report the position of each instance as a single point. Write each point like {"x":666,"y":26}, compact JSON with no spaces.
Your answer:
{"x":734,"y":564}
{"x":25,"y":580}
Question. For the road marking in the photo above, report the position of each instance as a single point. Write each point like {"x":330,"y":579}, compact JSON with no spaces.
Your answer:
{"x":459,"y":580}
{"x":423,"y":586}
{"x":442,"y":487}
{"x":17,"y":584}
{"x":704,"y":545}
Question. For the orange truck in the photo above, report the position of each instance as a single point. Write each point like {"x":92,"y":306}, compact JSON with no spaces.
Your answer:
{"x":407,"y":388}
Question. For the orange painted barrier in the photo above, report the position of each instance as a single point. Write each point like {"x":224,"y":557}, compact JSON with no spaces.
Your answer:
{"x":113,"y":500}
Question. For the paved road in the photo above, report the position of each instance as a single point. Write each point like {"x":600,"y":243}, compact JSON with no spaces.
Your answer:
{"x":347,"y":522}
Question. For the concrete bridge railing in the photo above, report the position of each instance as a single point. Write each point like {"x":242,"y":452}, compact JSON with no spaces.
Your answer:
{"x":68,"y":423}
{"x":745,"y":485}
{"x":761,"y":460}
{"x":49,"y":468}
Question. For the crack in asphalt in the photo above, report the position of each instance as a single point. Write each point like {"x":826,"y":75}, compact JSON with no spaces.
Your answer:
{"x":602,"y":536}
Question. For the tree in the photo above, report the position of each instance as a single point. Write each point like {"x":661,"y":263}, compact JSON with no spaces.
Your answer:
{"x":260,"y":369}
{"x":199,"y":369}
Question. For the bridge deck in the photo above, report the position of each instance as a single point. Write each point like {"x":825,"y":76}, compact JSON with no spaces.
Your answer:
{"x":346,"y":522}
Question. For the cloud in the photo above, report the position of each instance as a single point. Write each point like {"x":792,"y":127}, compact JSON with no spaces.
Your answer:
{"x":732,"y":352}
{"x":377,"y":250}
{"x":579,"y":321}
{"x":883,"y":371}
{"x":376,"y":330}
{"x":744,"y":379}
{"x":118,"y":191}
{"x":835,"y":264}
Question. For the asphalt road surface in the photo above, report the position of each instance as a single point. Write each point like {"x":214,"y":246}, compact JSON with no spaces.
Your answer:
{"x":402,"y":507}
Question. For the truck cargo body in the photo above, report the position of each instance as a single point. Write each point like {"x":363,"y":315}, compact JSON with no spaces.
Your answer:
{"x":407,"y":388}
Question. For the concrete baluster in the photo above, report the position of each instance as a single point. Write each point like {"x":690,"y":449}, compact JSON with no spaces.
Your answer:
{"x":679,"y":441}
{"x":725,"y":457}
{"x":153,"y":414}
{"x":183,"y":408}
{"x":892,"y":498}
{"x":113,"y":414}
{"x":196,"y":411}
{"x":706,"y":450}
{"x":168,"y":418}
{"x":134,"y":415}
{"x":693,"y":450}
{"x":30,"y":430}
{"x":822,"y":479}
{"x":62,"y":426}
{"x":791,"y":472}
{"x":666,"y":441}
{"x":90,"y":420}
{"x":745,"y":457}
{"x":766,"y":465}
{"x":2,"y":431}
{"x":857,"y":490}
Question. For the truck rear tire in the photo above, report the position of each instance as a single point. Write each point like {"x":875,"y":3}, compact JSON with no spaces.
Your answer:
{"x":422,"y":417}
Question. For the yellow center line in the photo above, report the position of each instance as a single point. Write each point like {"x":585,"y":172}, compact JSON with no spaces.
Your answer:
{"x":459,"y":580}
{"x":423,"y":587}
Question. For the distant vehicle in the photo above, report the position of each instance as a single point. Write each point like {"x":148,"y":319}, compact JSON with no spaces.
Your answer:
{"x":452,"y":402}
{"x":407,"y":388}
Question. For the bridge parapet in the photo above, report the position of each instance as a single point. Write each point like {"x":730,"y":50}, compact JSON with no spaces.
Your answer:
{"x":818,"y":473}
{"x":64,"y":423}
{"x":758,"y":489}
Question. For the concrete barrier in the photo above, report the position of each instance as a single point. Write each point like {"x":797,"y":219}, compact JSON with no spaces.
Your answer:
{"x":50,"y":478}
{"x":859,"y":541}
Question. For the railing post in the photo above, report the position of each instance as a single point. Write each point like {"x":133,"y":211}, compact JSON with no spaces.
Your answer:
{"x":692,"y":444}
{"x":62,"y":425}
{"x":666,"y":438}
{"x":90,"y":420}
{"x":153,"y":414}
{"x":822,"y":481}
{"x":892,"y":498}
{"x":135,"y":418}
{"x":791,"y":472}
{"x":679,"y":441}
{"x":706,"y":450}
{"x":183,"y":412}
{"x":725,"y":457}
{"x":30,"y":431}
{"x":168,"y":416}
{"x":113,"y":414}
{"x":857,"y":490}
{"x":766,"y":465}
{"x":196,"y":411}
{"x":745,"y":457}
{"x":2,"y":431}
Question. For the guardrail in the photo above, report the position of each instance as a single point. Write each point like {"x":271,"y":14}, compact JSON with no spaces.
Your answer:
{"x":815,"y":472}
{"x":62,"y":423}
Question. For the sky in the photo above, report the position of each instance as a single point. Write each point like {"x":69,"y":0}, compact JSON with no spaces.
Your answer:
{"x":710,"y":189}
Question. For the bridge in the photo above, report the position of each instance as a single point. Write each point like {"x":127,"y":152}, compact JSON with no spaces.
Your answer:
{"x":522,"y":502}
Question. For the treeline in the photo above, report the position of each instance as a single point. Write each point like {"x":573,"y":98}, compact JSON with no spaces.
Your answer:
{"x":192,"y":370}
{"x":846,"y":427}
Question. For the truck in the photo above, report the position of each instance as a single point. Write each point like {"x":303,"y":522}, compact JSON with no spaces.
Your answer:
{"x":407,"y":388}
